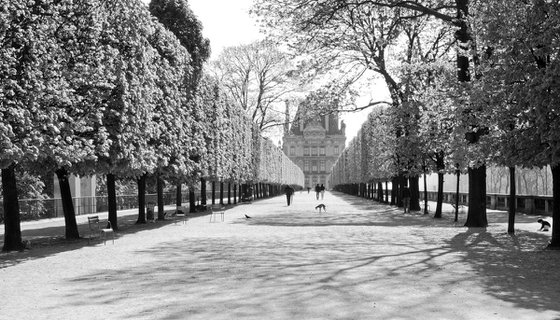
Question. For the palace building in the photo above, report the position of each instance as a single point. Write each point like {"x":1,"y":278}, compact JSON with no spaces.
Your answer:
{"x":315,"y":145}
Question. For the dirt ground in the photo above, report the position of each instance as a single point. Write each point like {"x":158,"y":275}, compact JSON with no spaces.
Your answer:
{"x":359,"y":260}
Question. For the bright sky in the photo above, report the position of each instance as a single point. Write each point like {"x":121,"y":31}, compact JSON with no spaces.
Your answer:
{"x":225,"y":22}
{"x":228,"y":23}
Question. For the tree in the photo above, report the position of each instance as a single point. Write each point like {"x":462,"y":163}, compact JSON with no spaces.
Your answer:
{"x":362,"y":36}
{"x":256,"y":77}
{"x":179,"y":19}
{"x":32,"y":88}
{"x":309,"y":17}
{"x":520,"y":73}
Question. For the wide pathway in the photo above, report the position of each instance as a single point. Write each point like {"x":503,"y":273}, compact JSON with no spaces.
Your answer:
{"x":359,"y":260}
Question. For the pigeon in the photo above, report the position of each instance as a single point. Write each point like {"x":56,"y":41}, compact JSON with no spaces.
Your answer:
{"x":247,"y":217}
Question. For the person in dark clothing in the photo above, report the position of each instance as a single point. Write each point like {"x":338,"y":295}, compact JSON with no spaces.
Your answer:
{"x":406,"y":199}
{"x":289,"y":194}
{"x":322,"y":191}
{"x":317,"y":190}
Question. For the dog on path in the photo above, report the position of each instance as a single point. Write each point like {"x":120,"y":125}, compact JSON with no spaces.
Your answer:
{"x":321,"y":207}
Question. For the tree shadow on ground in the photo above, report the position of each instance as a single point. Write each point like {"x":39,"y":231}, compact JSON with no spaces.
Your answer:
{"x":342,"y":275}
{"x":515,"y":268}
{"x":233,"y":278}
{"x":419,"y":218}
{"x":46,"y":241}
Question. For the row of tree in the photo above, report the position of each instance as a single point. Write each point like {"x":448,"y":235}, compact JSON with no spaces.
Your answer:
{"x":470,"y":83}
{"x":112,"y":87}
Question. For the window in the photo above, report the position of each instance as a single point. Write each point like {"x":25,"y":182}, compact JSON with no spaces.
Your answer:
{"x":314,"y":166}
{"x":313,"y":151}
{"x":323,"y":165}
{"x":321,"y":151}
{"x":292,"y":151}
{"x":336,"y":151}
{"x":306,"y":165}
{"x":306,"y":151}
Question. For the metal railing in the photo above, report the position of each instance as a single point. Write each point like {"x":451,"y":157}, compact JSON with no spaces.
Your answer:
{"x":524,"y":203}
{"x":32,"y":209}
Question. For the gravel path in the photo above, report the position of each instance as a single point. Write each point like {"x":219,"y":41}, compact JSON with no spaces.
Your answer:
{"x":360,"y":260}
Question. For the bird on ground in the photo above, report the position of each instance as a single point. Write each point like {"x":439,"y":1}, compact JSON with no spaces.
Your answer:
{"x":247,"y":217}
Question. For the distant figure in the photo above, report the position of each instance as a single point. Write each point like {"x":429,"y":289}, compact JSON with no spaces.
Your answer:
{"x":308,"y":189}
{"x":406,"y":199}
{"x":321,"y":206}
{"x":317,"y":190}
{"x":322,"y":191}
{"x":545,"y":225}
{"x":289,"y":194}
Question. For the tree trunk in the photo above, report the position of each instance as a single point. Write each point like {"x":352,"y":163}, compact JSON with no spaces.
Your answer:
{"x":394,"y":189}
{"x":229,"y":193}
{"x":179,"y":195}
{"x":401,"y":181}
{"x":387,"y":191}
{"x":12,"y":227}
{"x":192,"y":200}
{"x":221,"y":192}
{"x":555,"y":241}
{"x":71,"y":227}
{"x":213,"y":192}
{"x":203,"y":199}
{"x":425,"y":193}
{"x":512,"y":194}
{"x":235,"y":193}
{"x":476,"y":217}
{"x":112,"y":201}
{"x":160,"y":204}
{"x":141,"y":199}
{"x":380,"y":191}
{"x":439,"y":201}
{"x":458,"y":173}
{"x":414,"y":193}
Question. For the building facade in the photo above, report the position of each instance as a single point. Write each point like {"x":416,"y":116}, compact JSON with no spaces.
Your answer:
{"x":315,"y":145}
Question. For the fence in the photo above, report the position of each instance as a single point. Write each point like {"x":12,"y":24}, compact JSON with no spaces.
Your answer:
{"x":527,"y":204}
{"x":524,"y":203}
{"x":31,"y":209}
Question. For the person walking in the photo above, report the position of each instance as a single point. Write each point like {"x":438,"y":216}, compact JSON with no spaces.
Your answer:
{"x":322,"y":191}
{"x":289,"y":194}
{"x":317,"y":190}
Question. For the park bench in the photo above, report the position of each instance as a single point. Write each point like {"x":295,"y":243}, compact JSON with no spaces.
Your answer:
{"x":95,"y":229}
{"x":216,"y":210}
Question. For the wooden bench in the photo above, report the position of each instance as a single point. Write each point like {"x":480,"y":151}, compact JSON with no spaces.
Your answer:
{"x":217,"y":210}
{"x":95,"y":228}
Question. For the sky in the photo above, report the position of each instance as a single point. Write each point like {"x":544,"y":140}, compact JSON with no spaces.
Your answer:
{"x":225,"y":22}
{"x":228,"y":23}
